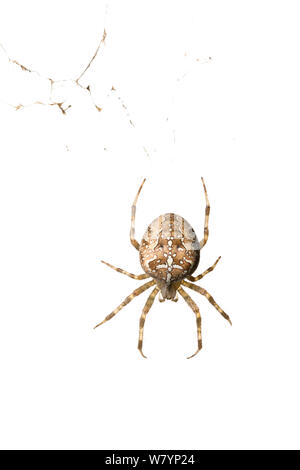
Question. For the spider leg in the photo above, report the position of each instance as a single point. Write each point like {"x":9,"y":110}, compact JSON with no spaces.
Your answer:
{"x":209,"y":298}
{"x":146,"y":309}
{"x":211,"y":268}
{"x":133,"y":210}
{"x":207,"y":211}
{"x":133,"y":276}
{"x":196,"y":310}
{"x":128,"y":299}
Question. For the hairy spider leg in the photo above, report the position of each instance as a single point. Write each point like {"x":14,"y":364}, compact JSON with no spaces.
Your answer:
{"x":133,"y":211}
{"x":209,"y":298}
{"x":128,"y":299}
{"x":200,"y":276}
{"x":207,"y":211}
{"x":146,"y":309}
{"x":196,"y":310}
{"x":133,"y":276}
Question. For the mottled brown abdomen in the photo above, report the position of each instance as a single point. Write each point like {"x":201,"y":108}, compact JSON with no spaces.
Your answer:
{"x":169,"y":250}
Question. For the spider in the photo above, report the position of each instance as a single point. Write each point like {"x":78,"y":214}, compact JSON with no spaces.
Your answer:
{"x":169,"y":254}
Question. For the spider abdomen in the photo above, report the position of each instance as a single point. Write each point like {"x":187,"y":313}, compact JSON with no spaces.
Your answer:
{"x":169,"y":250}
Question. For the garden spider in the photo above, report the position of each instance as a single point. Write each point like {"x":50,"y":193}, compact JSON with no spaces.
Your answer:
{"x":169,"y":254}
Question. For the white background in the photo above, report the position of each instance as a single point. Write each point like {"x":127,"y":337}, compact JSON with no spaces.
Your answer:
{"x":66,"y":186}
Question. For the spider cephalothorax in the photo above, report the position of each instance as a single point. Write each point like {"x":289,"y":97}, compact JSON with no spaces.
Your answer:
{"x":169,"y":253}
